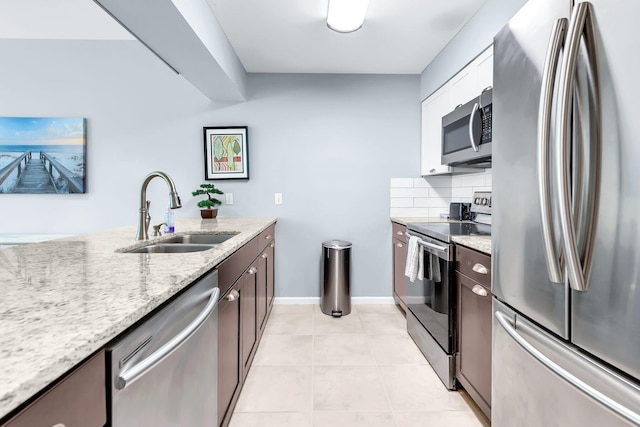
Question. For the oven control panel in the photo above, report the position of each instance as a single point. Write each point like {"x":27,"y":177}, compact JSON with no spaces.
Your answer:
{"x":481,"y":202}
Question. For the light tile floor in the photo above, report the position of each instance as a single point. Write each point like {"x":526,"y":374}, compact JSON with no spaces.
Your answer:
{"x":359,"y":370}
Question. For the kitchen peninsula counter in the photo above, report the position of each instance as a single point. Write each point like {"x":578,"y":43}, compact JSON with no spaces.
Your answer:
{"x":63,"y":300}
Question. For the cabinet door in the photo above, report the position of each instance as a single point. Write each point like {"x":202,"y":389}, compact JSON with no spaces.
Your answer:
{"x":261,"y":292}
{"x":464,"y":86}
{"x":433,"y":108}
{"x":78,"y":400}
{"x":271,"y":275}
{"x":474,"y":341}
{"x":399,"y":279}
{"x":229,"y":374}
{"x":248,"y":314}
{"x":484,"y":69}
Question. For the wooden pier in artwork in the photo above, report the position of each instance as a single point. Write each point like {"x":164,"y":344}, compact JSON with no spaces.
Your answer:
{"x":35,"y":175}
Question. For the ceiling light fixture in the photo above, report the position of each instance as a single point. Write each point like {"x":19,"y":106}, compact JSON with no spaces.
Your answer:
{"x":346,"y":16}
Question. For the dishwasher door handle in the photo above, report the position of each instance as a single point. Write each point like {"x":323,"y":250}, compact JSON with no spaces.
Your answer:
{"x":128,"y":376}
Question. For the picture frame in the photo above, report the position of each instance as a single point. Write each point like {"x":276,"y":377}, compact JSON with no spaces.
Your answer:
{"x":43,"y":155}
{"x":218,"y":142}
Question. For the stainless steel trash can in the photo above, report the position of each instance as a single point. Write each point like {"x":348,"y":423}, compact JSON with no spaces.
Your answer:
{"x":336,"y":277}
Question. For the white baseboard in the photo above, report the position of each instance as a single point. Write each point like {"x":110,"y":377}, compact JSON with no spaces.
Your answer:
{"x":316,"y":300}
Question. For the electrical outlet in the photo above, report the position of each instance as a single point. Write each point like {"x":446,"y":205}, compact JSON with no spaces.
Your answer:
{"x":228,"y":198}
{"x":278,"y":198}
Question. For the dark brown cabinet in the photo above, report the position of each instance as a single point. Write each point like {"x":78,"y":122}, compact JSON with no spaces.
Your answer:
{"x":473,"y":359}
{"x":248,"y":317}
{"x":399,"y":248}
{"x":229,"y":373}
{"x":78,"y":400}
{"x":246,"y":281}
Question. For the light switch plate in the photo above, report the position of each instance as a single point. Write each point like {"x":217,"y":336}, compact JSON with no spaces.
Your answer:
{"x":278,"y":198}
{"x":228,"y":198}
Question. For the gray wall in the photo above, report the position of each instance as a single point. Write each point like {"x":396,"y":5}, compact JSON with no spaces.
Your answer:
{"x":329,"y":143}
{"x":473,"y":38}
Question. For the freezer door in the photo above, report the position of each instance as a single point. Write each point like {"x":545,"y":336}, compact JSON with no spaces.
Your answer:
{"x":538,"y":380}
{"x":606,"y":319}
{"x":520,"y":275}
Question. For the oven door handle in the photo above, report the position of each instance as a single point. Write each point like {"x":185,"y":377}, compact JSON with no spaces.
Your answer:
{"x":428,"y":244}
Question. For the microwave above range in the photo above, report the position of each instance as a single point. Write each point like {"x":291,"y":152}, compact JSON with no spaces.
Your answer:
{"x":466,"y":133}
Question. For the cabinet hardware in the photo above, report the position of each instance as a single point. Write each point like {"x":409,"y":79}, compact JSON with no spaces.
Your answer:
{"x":268,"y":237}
{"x":432,"y":171}
{"x":253,"y":270}
{"x":58,"y":425}
{"x":233,"y":295}
{"x":479,"y":268}
{"x":273,"y":245}
{"x":399,"y":245}
{"x":479,"y":290}
{"x":399,"y":233}
{"x":264,"y":255}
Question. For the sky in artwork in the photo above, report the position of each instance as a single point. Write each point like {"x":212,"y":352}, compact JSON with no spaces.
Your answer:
{"x":41,"y":131}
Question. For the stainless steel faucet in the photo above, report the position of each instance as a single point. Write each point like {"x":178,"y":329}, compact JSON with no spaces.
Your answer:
{"x":144,"y":218}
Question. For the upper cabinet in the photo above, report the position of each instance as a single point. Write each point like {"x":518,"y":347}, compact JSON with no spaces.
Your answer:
{"x":461,"y":88}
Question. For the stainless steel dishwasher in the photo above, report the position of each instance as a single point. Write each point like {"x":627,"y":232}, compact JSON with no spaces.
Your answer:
{"x":164,"y":372}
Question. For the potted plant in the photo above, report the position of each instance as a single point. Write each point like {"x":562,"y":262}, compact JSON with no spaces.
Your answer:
{"x":208,"y":205}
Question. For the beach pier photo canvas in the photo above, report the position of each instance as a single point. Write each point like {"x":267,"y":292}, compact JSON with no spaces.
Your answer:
{"x":42,"y":155}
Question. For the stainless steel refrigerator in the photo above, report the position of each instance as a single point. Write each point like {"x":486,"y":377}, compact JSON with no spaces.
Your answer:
{"x":566,"y":200}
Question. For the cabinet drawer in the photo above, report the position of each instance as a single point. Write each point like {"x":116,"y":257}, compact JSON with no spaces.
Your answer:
{"x":78,"y":401}
{"x":233,"y":267}
{"x":473,"y":264}
{"x":266,"y":238}
{"x":398,"y":231}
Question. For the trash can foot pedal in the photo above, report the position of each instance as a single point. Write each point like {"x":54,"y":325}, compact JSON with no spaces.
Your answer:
{"x":335,"y":313}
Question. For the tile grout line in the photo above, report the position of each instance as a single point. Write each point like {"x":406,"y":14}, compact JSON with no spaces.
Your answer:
{"x":377,"y":365}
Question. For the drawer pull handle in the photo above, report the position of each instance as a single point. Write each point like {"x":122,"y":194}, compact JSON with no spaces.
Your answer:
{"x":268,"y":237}
{"x":400,"y":233}
{"x":58,"y":425}
{"x":233,"y":295}
{"x":479,"y":290}
{"x":479,"y":268}
{"x":264,"y":255}
{"x":273,"y":245}
{"x":253,"y":270}
{"x":399,"y":245}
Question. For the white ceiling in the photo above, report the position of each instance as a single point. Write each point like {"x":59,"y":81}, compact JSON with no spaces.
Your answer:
{"x":291,"y":36}
{"x":277,"y":36}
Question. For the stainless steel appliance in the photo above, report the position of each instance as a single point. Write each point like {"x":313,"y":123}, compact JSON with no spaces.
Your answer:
{"x":566,"y":252}
{"x":164,"y":372}
{"x":431,"y":301}
{"x":466,"y":133}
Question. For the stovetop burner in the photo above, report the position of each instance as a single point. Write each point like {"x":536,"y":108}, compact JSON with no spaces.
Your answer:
{"x":445,"y":230}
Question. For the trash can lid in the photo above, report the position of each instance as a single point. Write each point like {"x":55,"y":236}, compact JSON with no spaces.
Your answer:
{"x":336,"y":244}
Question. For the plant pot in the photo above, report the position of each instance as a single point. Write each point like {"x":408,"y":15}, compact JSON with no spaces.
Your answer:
{"x":208,"y":213}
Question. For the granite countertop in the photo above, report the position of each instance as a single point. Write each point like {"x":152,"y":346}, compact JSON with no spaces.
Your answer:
{"x":479,"y":243}
{"x":63,"y":300}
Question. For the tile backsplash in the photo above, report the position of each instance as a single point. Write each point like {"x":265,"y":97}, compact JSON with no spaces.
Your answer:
{"x":430,"y":196}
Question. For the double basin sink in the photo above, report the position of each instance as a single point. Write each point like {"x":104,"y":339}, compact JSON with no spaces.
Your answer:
{"x":184,"y":243}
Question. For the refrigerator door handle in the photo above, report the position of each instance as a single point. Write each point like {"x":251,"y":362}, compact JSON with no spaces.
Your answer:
{"x":578,"y":270}
{"x":508,"y":325}
{"x":554,"y":50}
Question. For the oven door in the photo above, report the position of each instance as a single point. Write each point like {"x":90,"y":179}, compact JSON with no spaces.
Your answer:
{"x":432,"y":300}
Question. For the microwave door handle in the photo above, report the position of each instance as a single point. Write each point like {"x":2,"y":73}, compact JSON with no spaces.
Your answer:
{"x":474,"y":110}
{"x":554,"y":50}
{"x":581,"y":24}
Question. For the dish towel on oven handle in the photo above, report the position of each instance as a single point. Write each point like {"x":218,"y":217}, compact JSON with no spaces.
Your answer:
{"x":433,"y":268}
{"x":414,"y":267}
